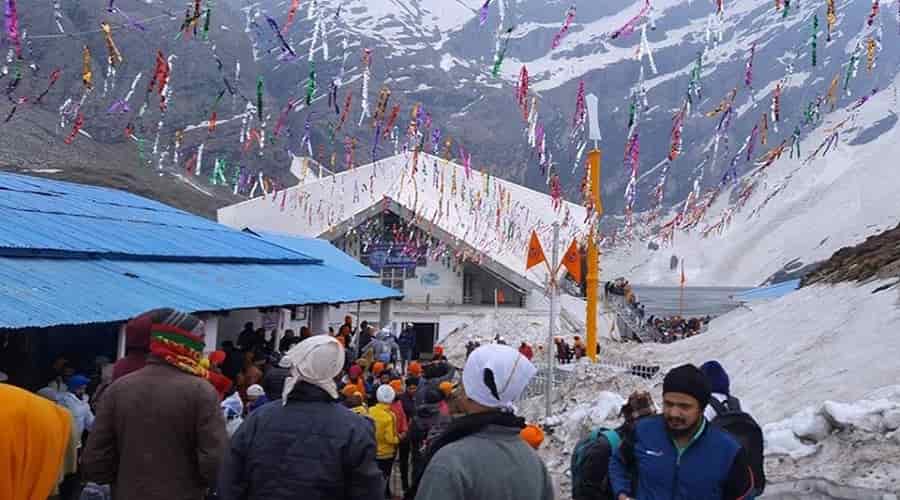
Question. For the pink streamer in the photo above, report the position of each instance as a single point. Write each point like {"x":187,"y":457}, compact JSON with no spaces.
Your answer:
{"x":628,"y":27}
{"x":570,"y":16}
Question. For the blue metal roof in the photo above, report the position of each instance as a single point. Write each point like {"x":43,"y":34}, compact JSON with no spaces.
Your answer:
{"x":46,"y":292}
{"x":72,"y":254}
{"x":43,"y":217}
{"x":317,"y":248}
{"x":768,"y":292}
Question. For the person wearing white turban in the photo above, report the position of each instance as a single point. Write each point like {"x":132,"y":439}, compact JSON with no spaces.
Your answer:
{"x":310,"y":444}
{"x":481,"y":454}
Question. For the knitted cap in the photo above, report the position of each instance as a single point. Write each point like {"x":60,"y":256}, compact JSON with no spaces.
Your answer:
{"x":385,"y":394}
{"x":177,"y":338}
{"x":138,"y":330}
{"x":688,"y":379}
{"x":717,"y":376}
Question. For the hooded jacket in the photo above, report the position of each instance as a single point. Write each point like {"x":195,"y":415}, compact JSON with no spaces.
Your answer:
{"x":712,"y":467}
{"x":313,"y":446}
{"x":385,"y":430}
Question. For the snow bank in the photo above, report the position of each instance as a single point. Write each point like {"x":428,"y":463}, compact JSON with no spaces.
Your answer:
{"x":819,"y":343}
{"x":854,"y":444}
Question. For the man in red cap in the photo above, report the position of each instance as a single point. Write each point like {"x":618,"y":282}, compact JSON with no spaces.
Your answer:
{"x":137,"y":345}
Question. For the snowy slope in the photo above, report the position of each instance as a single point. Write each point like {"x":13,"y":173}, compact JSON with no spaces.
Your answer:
{"x":469,"y":207}
{"x":826,"y":204}
{"x":818,"y":343}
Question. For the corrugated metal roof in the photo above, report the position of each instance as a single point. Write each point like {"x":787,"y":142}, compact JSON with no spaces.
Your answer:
{"x":321,"y":249}
{"x":45,"y":292}
{"x":42,"y":215}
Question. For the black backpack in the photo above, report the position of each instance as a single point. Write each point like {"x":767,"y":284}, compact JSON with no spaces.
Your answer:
{"x":741,"y":426}
{"x":586,"y":448}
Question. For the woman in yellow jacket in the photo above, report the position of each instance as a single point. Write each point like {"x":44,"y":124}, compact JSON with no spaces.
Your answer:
{"x":386,"y":435}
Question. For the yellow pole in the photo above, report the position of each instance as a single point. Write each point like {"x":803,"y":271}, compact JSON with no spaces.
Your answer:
{"x":593,"y":257}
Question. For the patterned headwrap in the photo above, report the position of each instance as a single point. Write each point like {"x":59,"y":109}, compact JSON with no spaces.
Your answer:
{"x":177,"y":338}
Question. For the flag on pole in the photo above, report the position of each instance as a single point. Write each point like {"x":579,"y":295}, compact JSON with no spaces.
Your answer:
{"x":683,"y":280}
{"x":501,"y":298}
{"x":535,"y":252}
{"x":572,"y":261}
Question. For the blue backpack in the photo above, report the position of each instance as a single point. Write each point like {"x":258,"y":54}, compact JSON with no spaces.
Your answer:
{"x":583,"y":449}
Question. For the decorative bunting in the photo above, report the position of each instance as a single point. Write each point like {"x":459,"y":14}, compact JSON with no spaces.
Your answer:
{"x":629,"y":27}
{"x":570,"y":17}
{"x":87,"y":73}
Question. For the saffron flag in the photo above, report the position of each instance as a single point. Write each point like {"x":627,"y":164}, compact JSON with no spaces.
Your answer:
{"x":683,"y":280}
{"x":535,"y":252}
{"x":572,"y":261}
{"x":501,"y":298}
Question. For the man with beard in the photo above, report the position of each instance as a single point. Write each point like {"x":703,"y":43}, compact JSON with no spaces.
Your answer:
{"x":680,"y":455}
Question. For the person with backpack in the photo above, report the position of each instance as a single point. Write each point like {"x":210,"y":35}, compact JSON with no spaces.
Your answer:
{"x":680,"y":454}
{"x":726,"y":412}
{"x":591,"y":458}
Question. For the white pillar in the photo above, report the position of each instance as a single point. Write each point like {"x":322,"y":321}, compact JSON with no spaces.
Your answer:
{"x":318,"y":320}
{"x":211,"y":332}
{"x":386,"y":313}
{"x":120,"y":346}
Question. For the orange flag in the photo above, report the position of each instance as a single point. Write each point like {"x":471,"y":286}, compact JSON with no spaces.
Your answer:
{"x":572,"y":261}
{"x":535,"y":252}
{"x":683,"y":280}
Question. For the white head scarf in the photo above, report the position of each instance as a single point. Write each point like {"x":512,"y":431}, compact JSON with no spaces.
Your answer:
{"x":495,"y":376}
{"x":385,"y":394}
{"x":316,"y":360}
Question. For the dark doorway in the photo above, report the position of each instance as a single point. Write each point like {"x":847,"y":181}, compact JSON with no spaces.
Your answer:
{"x":426,"y":333}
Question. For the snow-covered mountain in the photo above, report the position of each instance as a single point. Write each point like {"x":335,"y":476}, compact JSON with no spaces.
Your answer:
{"x":438,"y":53}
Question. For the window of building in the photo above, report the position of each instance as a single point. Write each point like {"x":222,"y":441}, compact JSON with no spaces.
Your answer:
{"x":393,"y":277}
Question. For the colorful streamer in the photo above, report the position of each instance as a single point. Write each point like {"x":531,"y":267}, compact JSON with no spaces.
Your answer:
{"x":483,"y":13}
{"x":522,"y":91}
{"x":831,"y":17}
{"x":644,"y":48}
{"x":629,"y":27}
{"x":160,"y":78}
{"x":259,"y":98}
{"x":76,"y":127}
{"x":676,"y":136}
{"x":311,"y":84}
{"x":873,"y":15}
{"x":832,"y":97}
{"x":748,"y":73}
{"x":852,"y":68}
{"x":292,"y":12}
{"x":54,"y":77}
{"x":367,"y":75}
{"x":114,"y":56}
{"x":500,"y":52}
{"x":814,"y":39}
{"x":570,"y":17}
{"x":87,"y":73}
{"x":12,"y":26}
{"x":278,"y":33}
{"x":871,"y":51}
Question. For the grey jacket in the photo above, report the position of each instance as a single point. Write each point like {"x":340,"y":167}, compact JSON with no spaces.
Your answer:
{"x":493,"y":464}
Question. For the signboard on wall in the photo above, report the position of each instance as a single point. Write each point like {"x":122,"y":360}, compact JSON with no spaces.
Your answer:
{"x":385,"y":255}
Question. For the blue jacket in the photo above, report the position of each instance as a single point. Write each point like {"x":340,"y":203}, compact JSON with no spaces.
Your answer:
{"x":712,"y":467}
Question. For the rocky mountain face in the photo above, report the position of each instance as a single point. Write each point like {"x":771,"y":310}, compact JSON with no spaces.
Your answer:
{"x":438,"y":53}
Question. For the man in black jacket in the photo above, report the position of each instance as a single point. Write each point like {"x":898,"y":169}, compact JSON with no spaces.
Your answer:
{"x":309,"y":445}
